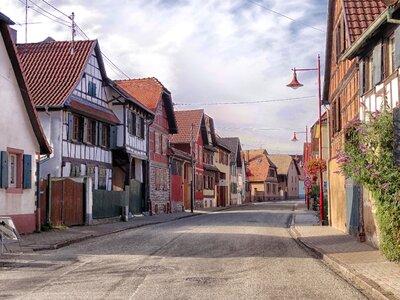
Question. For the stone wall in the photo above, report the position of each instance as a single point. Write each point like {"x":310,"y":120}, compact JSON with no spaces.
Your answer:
{"x":159,"y":197}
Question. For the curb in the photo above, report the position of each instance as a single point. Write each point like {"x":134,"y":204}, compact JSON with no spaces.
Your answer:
{"x":359,"y":281}
{"x":87,"y":237}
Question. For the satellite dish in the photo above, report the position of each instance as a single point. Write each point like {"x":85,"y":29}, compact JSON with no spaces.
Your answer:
{"x":389,"y":2}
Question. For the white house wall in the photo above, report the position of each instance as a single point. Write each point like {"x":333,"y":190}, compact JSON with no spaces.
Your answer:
{"x":17,"y":132}
{"x":53,"y":127}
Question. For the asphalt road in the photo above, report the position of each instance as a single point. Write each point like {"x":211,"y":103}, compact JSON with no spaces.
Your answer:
{"x":240,"y":253}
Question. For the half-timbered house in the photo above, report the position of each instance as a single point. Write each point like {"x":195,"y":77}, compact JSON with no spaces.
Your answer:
{"x":347,"y":21}
{"x":237,"y":172}
{"x":210,"y":170}
{"x":377,"y":51}
{"x":223,"y":180}
{"x":22,"y":139}
{"x":130,"y":147}
{"x":156,"y":97}
{"x":68,"y":83}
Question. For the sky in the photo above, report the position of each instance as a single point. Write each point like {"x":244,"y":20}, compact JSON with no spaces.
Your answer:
{"x":205,"y":52}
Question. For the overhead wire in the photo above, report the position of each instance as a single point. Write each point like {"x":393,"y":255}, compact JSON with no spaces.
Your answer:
{"x":56,"y":18}
{"x":284,"y":16}
{"x":244,"y":102}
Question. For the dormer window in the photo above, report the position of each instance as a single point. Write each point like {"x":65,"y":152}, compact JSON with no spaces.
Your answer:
{"x":92,"y":88}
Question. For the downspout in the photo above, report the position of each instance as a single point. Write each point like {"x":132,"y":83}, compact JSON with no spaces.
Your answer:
{"x":147,"y":187}
{"x":38,"y":207}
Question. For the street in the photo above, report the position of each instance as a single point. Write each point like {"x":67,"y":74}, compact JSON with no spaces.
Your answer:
{"x":240,"y":253}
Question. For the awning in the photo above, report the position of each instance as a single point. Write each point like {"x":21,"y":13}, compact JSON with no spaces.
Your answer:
{"x":211,"y":168}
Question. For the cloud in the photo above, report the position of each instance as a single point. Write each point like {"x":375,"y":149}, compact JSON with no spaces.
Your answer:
{"x":210,"y":51}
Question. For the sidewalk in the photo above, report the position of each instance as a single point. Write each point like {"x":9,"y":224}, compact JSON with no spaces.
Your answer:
{"x":357,"y":262}
{"x":58,"y":238}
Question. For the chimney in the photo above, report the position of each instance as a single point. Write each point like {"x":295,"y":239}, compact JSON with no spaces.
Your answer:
{"x":13,"y":35}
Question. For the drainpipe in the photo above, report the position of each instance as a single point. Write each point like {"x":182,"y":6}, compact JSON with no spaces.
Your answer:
{"x":38,"y":216}
{"x":147,"y":187}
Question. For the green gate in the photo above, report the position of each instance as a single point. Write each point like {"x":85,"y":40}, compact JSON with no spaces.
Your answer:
{"x":136,"y":197}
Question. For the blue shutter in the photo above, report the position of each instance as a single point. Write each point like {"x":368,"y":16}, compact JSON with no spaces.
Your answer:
{"x":377,"y":64}
{"x":70,"y":126}
{"x":27,"y":184}
{"x":4,"y":170}
{"x":397,"y":47}
{"x":113,"y":137}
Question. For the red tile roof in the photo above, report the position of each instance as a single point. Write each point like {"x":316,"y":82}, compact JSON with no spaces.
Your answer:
{"x":184,"y":120}
{"x":51,"y":70}
{"x":258,"y":164}
{"x":22,"y":85}
{"x":360,"y":14}
{"x":147,"y":91}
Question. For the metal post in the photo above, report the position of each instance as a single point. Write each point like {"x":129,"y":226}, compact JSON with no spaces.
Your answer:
{"x":2,"y":238}
{"x":192,"y":187}
{"x":305,"y":162}
{"x":321,"y":179}
{"x":26,"y":22}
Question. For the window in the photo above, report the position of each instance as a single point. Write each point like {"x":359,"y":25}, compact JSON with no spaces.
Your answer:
{"x":15,"y":170}
{"x":164,"y":141}
{"x":104,"y":135}
{"x":368,"y":63}
{"x":90,"y":131}
{"x":140,"y":133}
{"x":340,"y":38}
{"x":271,"y":172}
{"x":390,"y":56}
{"x":12,"y":170}
{"x":131,"y":123}
{"x":102,"y":179}
{"x":157,"y":146}
{"x":77,"y":131}
{"x":200,"y":155}
{"x":92,"y":89}
{"x":75,"y":170}
{"x":90,"y":171}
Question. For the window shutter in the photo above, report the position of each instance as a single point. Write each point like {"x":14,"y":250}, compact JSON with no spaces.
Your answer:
{"x":85,"y":130}
{"x":142,"y":128}
{"x":134,"y":124}
{"x":361,"y":78}
{"x":70,"y":126}
{"x":96,"y":136}
{"x":27,"y":184}
{"x":113,"y":137}
{"x":129,"y":121}
{"x":397,"y":47}
{"x":377,"y":64}
{"x":4,"y":170}
{"x":100,"y":141}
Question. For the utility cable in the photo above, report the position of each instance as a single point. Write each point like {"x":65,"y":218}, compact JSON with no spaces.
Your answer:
{"x":244,"y":102}
{"x":284,"y":16}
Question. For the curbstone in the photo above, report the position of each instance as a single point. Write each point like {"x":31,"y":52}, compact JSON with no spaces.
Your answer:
{"x":359,"y":281}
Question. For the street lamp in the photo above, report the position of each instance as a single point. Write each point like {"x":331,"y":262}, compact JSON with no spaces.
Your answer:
{"x":295,"y":84}
{"x":305,"y":158}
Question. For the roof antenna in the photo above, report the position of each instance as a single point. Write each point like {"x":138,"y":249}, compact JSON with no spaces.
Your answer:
{"x":73,"y":25}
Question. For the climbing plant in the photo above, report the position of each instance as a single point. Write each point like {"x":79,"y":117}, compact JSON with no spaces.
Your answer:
{"x":368,"y":158}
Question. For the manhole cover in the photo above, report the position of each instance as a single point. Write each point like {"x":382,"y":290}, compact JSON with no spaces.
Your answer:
{"x":155,"y":269}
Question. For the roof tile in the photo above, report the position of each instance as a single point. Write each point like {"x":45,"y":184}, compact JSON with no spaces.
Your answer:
{"x":360,"y":14}
{"x":52,"y":72}
{"x":184,"y":120}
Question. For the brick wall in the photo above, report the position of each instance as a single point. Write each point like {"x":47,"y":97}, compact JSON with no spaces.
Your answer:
{"x":159,"y":193}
